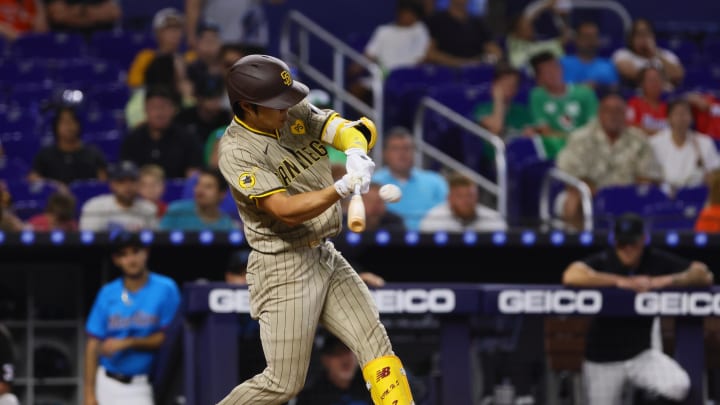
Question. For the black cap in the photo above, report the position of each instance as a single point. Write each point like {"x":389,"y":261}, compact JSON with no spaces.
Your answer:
{"x":123,"y":170}
{"x":264,"y":80}
{"x":629,"y":228}
{"x":122,"y":239}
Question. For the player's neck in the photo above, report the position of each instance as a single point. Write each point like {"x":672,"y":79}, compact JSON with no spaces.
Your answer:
{"x":135,"y":283}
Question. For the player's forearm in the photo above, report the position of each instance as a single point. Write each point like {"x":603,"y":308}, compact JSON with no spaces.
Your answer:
{"x":151,"y":342}
{"x":697,"y":275}
{"x":293,"y":210}
{"x":581,"y":275}
{"x":91,"y":363}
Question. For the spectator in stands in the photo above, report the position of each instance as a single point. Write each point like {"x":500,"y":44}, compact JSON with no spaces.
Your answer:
{"x":522,"y":42}
{"x":206,"y":54}
{"x":421,"y":189}
{"x":504,"y":116}
{"x":618,"y":350}
{"x":240,"y":21}
{"x":21,"y":17}
{"x":203,"y":211}
{"x":165,"y":71}
{"x":586,"y":66}
{"x":339,"y":381}
{"x":83,"y":16}
{"x":7,"y":367}
{"x":151,"y":186}
{"x":208,"y":113}
{"x":606,"y":152}
{"x":458,"y":38}
{"x":402,"y":43}
{"x":231,"y":53}
{"x":160,"y":141}
{"x":709,"y":218}
{"x":686,"y":156}
{"x":122,"y":208}
{"x":462,"y":210}
{"x":68,"y":158}
{"x":648,"y":110}
{"x":9,"y":222}
{"x":126,"y":327}
{"x":558,"y":108}
{"x":641,"y":51}
{"x":706,"y":109}
{"x":168,"y":27}
{"x":59,"y":214}
{"x":377,"y":215}
{"x":236,"y":269}
{"x":210,"y":156}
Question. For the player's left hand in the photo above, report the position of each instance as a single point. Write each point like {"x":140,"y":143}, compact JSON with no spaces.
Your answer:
{"x":360,"y":168}
{"x":110,"y":346}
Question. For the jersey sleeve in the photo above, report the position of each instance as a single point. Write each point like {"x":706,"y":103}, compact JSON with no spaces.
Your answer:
{"x":169,"y":305}
{"x":247,"y":174}
{"x":96,"y":324}
{"x":316,"y":121}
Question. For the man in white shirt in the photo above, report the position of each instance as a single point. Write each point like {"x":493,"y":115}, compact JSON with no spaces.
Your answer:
{"x":462,"y":212}
{"x":686,"y":156}
{"x":122,"y":208}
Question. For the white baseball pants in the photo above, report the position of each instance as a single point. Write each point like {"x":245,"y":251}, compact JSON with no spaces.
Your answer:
{"x":112,"y":392}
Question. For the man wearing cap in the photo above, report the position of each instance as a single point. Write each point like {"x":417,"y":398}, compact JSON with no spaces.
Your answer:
{"x":209,"y":112}
{"x":618,"y":350}
{"x":82,"y":16}
{"x":167,"y":25}
{"x":273,"y":155}
{"x":126,"y":327}
{"x":122,"y":208}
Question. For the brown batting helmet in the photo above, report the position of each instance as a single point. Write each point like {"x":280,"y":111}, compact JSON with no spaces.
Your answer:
{"x":264,"y":80}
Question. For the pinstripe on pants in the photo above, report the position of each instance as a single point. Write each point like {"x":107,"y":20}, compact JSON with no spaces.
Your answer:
{"x":290,"y":292}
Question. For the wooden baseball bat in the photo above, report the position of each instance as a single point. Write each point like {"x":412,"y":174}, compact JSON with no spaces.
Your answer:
{"x":356,"y":212}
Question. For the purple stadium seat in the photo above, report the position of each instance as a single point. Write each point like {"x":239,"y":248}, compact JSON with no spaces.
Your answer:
{"x":108,"y":142}
{"x":119,"y":47}
{"x":84,"y":190}
{"x":20,"y":72}
{"x":84,"y":73}
{"x":29,"y":198}
{"x":13,"y":168}
{"x":15,"y":121}
{"x":477,"y":74}
{"x":113,"y":97}
{"x":404,"y":87}
{"x":95,"y":121}
{"x":693,"y":197}
{"x":53,"y":45}
{"x":610,"y":202}
{"x":524,"y":190}
{"x":174,"y":189}
{"x":519,"y":150}
{"x":19,"y":145}
{"x":32,"y":96}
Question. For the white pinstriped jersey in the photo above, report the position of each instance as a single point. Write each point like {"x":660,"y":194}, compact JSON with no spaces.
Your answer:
{"x":293,"y":159}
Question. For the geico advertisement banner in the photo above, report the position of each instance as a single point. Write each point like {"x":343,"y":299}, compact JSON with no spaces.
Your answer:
{"x":590,"y":302}
{"x":388,"y":301}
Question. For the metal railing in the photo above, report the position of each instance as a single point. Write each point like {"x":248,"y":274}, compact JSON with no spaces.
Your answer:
{"x":555,"y":174}
{"x":298,"y":26}
{"x":609,"y":5}
{"x":499,"y":189}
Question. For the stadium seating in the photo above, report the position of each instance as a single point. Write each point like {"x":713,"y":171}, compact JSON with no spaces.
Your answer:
{"x":53,"y":45}
{"x":85,"y":73}
{"x":174,"y":189}
{"x":23,"y":71}
{"x":108,"y":142}
{"x":111,"y":96}
{"x":404,"y":87}
{"x":84,"y":190}
{"x":18,"y":145}
{"x":118,"y":47}
{"x":610,"y":202}
{"x":13,"y":168}
{"x":29,"y":198}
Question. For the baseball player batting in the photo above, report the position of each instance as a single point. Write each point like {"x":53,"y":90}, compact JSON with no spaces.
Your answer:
{"x":274,"y":157}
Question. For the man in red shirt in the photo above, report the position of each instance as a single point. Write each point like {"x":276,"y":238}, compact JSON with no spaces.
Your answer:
{"x":647,"y":110}
{"x":18,"y":17}
{"x":706,"y":109}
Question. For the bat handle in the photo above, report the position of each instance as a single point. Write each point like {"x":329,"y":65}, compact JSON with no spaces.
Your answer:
{"x":357,"y":189}
{"x":356,"y":212}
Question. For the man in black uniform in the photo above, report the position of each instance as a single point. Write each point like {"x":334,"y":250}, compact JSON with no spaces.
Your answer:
{"x":618,"y":350}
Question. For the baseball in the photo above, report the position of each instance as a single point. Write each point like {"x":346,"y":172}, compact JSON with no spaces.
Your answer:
{"x":390,"y":193}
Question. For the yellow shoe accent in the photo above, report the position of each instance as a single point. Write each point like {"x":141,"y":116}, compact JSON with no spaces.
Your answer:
{"x":387,"y":382}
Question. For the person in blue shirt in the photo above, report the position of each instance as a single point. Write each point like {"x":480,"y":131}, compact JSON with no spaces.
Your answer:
{"x":203,"y":211}
{"x":125,"y":327}
{"x":421,"y":189}
{"x":585,"y":66}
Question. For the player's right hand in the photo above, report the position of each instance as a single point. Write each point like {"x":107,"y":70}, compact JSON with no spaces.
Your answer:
{"x":344,"y":186}
{"x":360,"y":168}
